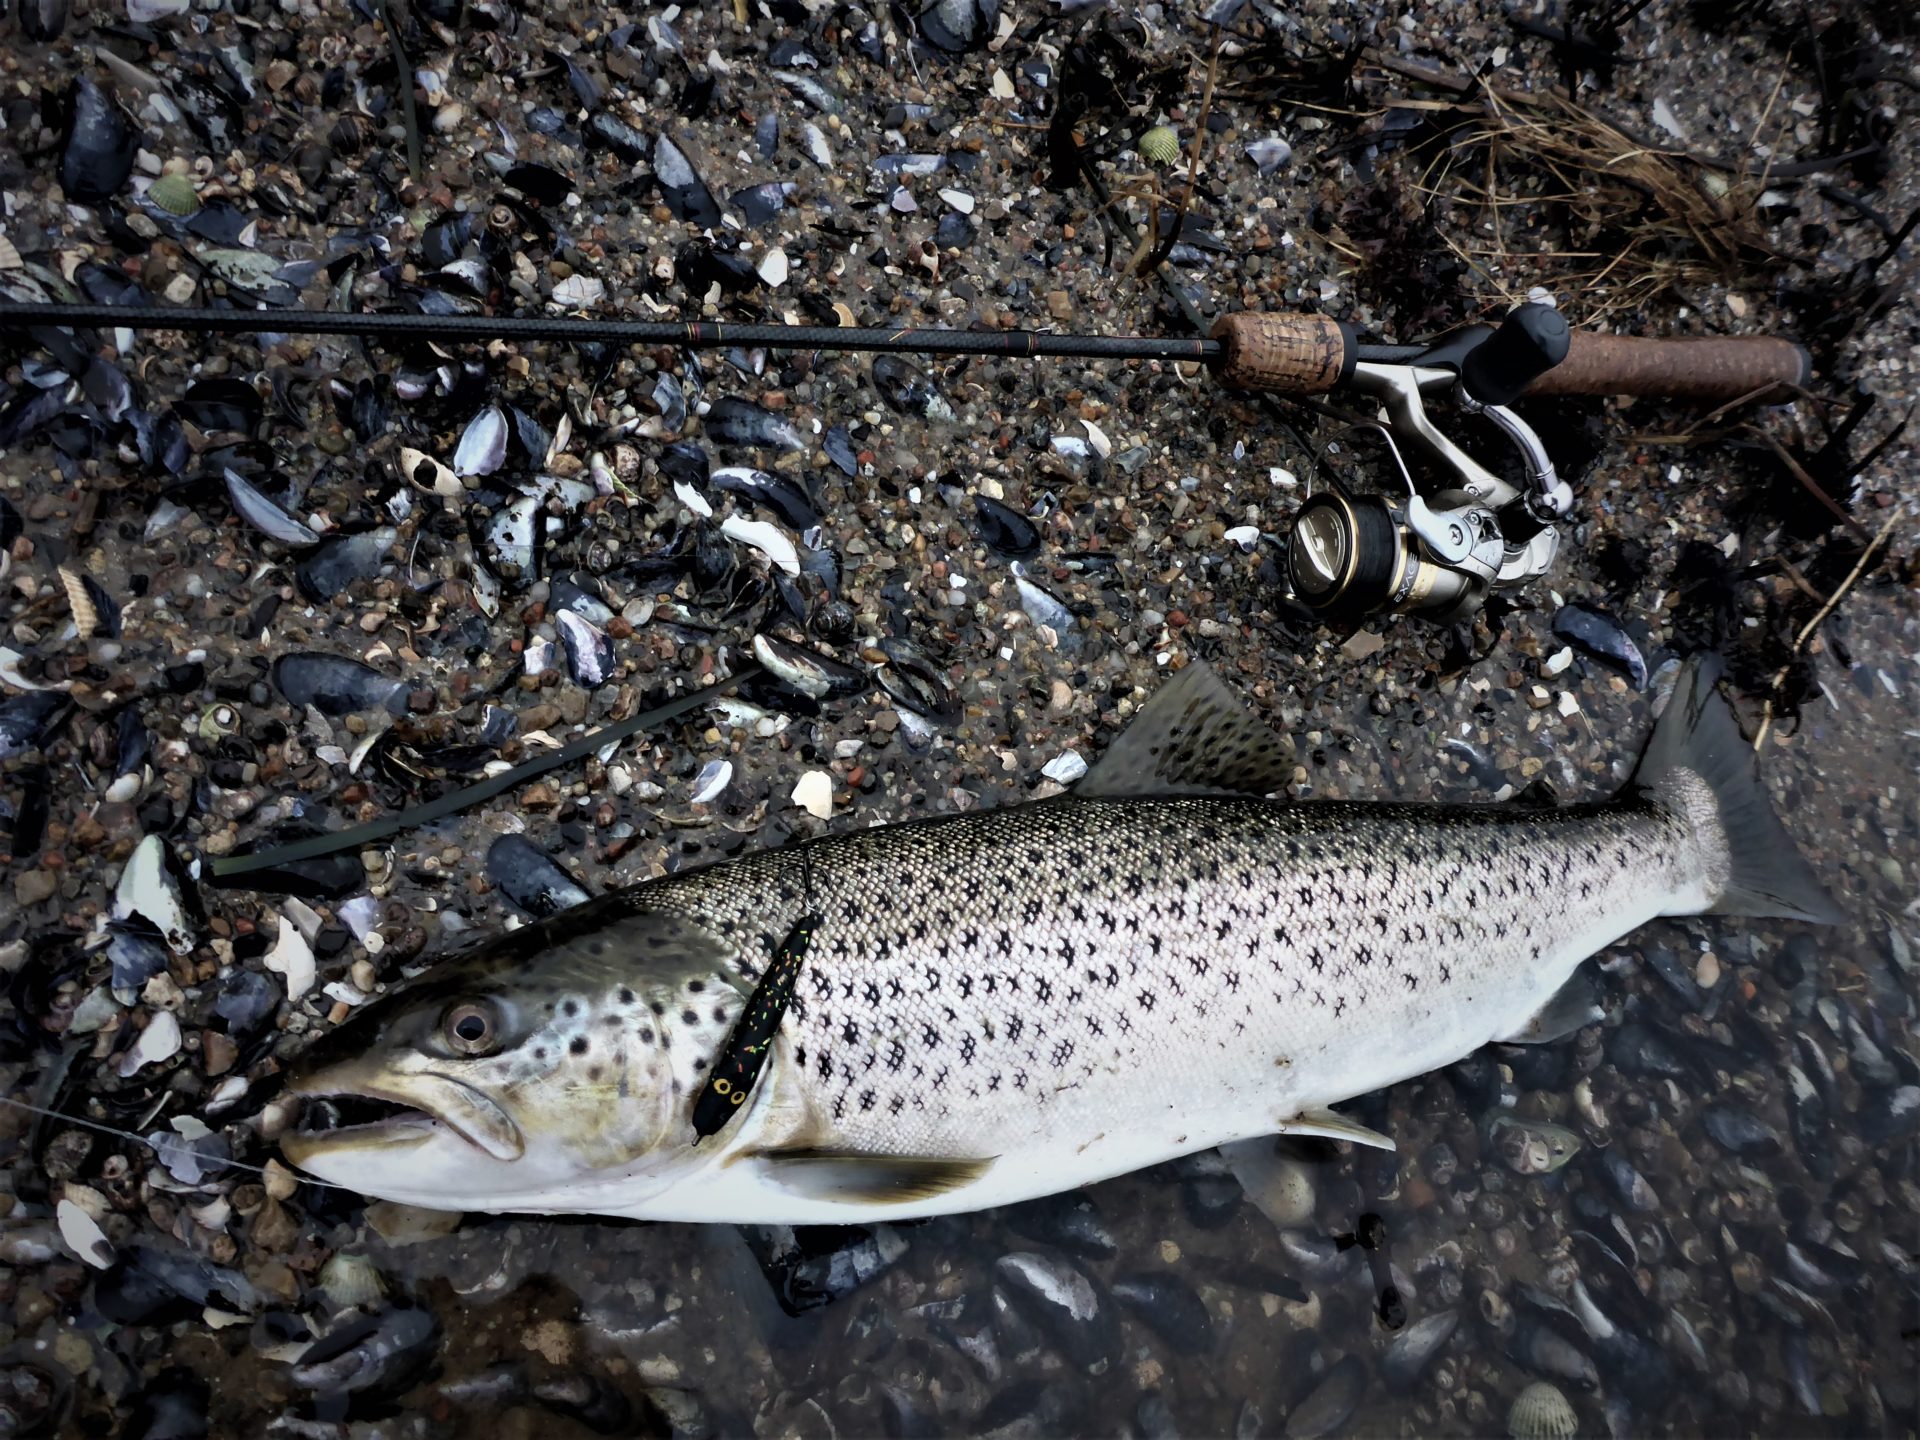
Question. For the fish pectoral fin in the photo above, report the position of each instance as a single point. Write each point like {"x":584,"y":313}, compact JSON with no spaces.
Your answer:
{"x":1194,"y":734}
{"x":1572,"y":1007}
{"x":854,"y":1177}
{"x":1330,"y":1126}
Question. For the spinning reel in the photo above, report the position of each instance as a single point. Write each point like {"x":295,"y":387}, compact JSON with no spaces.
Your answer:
{"x":1438,"y":555}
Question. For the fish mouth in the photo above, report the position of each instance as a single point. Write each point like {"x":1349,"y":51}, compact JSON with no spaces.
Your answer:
{"x":357,"y":1114}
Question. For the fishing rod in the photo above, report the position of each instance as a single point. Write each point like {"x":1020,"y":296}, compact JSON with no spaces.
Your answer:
{"x":1438,"y":551}
{"x":691,"y":335}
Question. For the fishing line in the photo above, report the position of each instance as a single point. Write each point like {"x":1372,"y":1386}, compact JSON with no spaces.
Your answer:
{"x":200,"y":1157}
{"x":224,"y":869}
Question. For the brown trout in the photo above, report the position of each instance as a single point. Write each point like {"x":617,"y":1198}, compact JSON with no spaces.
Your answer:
{"x":1000,"y":1005}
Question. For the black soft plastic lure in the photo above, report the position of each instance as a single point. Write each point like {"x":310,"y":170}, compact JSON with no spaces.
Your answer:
{"x":738,"y":1065}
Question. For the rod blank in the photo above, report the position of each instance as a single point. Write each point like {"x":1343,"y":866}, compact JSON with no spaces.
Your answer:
{"x":693,"y":335}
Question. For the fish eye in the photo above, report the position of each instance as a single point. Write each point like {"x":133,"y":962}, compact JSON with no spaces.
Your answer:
{"x":469,"y":1028}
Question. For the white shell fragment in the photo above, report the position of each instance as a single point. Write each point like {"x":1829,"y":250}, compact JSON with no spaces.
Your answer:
{"x":483,"y":444}
{"x":814,"y":794}
{"x":361,"y":915}
{"x":765,"y":537}
{"x":292,"y":957}
{"x":1065,"y":768}
{"x":1664,"y":117}
{"x":146,"y":890}
{"x":818,"y":150}
{"x":714,"y":777}
{"x":1245,"y":536}
{"x":83,"y":1235}
{"x":579,"y":292}
{"x":158,"y":1042}
{"x":959,"y":199}
{"x":693,"y":499}
{"x":1270,"y":154}
{"x":265,"y":516}
{"x":773,"y":268}
{"x":426,"y":473}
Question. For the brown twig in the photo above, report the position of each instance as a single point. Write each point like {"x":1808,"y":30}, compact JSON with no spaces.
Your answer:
{"x":1799,"y":472}
{"x":1162,"y":246}
{"x":1806,"y":631}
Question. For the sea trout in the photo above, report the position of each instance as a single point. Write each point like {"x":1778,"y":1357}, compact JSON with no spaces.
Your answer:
{"x":994,"y":1006}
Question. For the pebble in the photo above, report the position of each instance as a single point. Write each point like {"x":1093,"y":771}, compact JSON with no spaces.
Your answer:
{"x":30,"y":887}
{"x":218,"y":1052}
{"x":280,"y":1182}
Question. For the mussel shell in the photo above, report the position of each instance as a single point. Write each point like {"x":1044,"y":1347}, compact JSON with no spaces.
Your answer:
{"x":335,"y":685}
{"x":916,"y":683}
{"x":699,"y":266}
{"x":687,"y":463}
{"x":1005,"y":529}
{"x":539,"y":183}
{"x":531,"y":878}
{"x":681,"y":187}
{"x":336,"y":563}
{"x":97,"y":154}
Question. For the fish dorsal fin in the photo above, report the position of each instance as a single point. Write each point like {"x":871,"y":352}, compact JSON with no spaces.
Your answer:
{"x":1193,"y":734}
{"x":1329,"y":1126}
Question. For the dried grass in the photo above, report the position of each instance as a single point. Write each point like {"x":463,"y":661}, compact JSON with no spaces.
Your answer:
{"x":1554,"y":195}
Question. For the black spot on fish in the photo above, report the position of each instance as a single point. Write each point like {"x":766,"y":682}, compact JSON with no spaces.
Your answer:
{"x":691,"y":1017}
{"x":694,"y":987}
{"x":659,"y":1007}
{"x":699,"y":1065}
{"x":626,"y":996}
{"x":593,"y":1072}
{"x":571,"y":1008}
{"x":578,"y":1045}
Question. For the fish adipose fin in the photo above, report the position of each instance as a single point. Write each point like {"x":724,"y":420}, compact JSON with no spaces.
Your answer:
{"x":868,"y":1179}
{"x":1329,"y":1126}
{"x":1572,"y":1007}
{"x":1194,"y":736}
{"x":1697,"y":732}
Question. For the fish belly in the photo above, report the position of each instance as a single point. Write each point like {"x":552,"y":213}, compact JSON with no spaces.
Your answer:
{"x":1085,"y":987}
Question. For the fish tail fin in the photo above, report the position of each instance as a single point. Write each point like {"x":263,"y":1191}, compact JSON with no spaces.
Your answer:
{"x":1765,"y":872}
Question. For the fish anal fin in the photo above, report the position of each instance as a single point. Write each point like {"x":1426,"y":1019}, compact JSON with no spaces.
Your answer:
{"x":1192,"y":735}
{"x":854,"y":1178}
{"x":1574,"y":1006}
{"x":1329,"y":1126}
